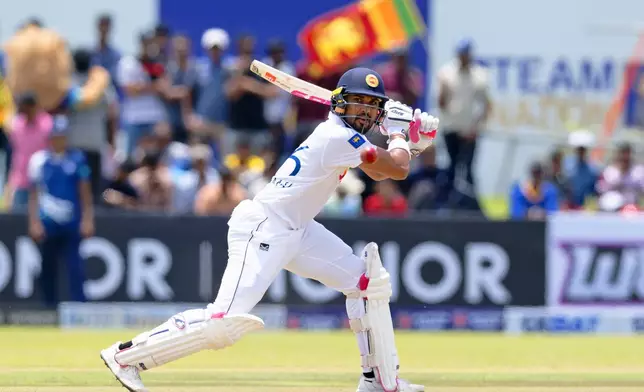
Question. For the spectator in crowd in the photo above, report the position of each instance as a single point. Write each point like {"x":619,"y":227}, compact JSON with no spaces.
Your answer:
{"x":556,"y":176}
{"x":624,"y":177}
{"x":32,"y":22}
{"x":162,"y":40}
{"x":6,"y":112}
{"x":89,"y":128}
{"x":258,"y":183}
{"x":60,"y":212}
{"x":580,"y":172}
{"x":220,"y":199}
{"x":346,"y":202}
{"x":186,"y":184}
{"x":386,"y":201}
{"x":212,"y":104}
{"x":162,"y":140}
{"x":141,"y":82}
{"x":404,"y":82}
{"x":181,"y":95}
{"x":119,"y":192}
{"x":535,"y":198}
{"x":465,"y":105}
{"x":243,"y":163}
{"x":152,"y":182}
{"x":246,"y":94}
{"x":104,"y":53}
{"x":276,"y":109}
{"x":425,"y":183}
{"x":177,"y":155}
{"x":28,"y":134}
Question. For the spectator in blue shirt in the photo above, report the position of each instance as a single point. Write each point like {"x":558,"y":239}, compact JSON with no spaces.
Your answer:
{"x":581,"y":173}
{"x":535,"y":198}
{"x":181,"y":96}
{"x":105,"y":54}
{"x":60,"y":212}
{"x":212,"y":105}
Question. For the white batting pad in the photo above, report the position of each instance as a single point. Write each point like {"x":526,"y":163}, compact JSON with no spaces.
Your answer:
{"x":377,"y":320}
{"x":185,"y":334}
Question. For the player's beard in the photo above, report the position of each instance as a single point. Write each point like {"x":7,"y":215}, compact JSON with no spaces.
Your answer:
{"x":362,"y":123}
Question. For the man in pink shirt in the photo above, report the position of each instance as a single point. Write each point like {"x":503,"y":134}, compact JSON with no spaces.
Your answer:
{"x":28,"y":133}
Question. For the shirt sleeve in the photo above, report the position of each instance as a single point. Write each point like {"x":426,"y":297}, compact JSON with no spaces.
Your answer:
{"x":441,"y":75}
{"x":343,"y":149}
{"x":551,"y":201}
{"x":34,"y":169}
{"x":82,"y":168}
{"x":518,"y":207}
{"x":72,"y":99}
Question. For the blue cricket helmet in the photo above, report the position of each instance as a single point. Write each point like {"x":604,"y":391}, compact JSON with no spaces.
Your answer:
{"x":363,"y":81}
{"x":359,"y":81}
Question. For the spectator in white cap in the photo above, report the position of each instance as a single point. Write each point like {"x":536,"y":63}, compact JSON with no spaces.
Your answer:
{"x":187,"y":184}
{"x":212,"y":105}
{"x":582,"y":174}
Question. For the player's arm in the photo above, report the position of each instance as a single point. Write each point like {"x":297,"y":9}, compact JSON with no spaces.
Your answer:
{"x":443,"y":89}
{"x":87,"y":203}
{"x":127,"y":78}
{"x":395,"y":160}
{"x":374,"y":175}
{"x":391,"y":163}
{"x":345,"y":151}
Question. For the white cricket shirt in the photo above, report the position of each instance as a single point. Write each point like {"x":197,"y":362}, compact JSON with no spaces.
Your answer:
{"x":308,"y":178}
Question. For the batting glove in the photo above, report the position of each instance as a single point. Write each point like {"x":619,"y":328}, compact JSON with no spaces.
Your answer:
{"x":422,"y":132}
{"x":398,"y":117}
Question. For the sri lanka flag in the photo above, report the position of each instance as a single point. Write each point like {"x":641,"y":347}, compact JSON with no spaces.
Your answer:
{"x":360,"y":30}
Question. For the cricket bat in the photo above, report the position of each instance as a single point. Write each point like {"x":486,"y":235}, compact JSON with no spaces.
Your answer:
{"x":306,"y":90}
{"x":293,"y":85}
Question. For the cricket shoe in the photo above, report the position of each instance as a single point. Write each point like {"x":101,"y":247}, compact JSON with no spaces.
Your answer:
{"x":371,"y":384}
{"x":127,"y":375}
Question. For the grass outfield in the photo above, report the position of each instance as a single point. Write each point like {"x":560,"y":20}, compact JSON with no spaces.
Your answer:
{"x":50,"y":360}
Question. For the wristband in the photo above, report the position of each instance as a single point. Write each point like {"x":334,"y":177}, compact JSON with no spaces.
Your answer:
{"x":399,"y":143}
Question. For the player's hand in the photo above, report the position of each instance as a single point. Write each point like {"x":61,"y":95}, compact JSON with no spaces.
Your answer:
{"x":422,"y":132}
{"x":398,"y":117}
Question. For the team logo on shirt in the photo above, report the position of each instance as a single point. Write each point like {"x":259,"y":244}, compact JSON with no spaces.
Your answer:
{"x":356,"y":141}
{"x":372,"y":80}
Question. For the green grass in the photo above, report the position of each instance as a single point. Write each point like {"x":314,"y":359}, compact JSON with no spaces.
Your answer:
{"x":495,"y":207}
{"x":50,"y":360}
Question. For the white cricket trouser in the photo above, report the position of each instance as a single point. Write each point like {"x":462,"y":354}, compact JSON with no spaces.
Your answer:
{"x":259,"y":247}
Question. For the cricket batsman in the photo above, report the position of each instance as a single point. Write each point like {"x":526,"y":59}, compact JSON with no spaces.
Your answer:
{"x":276,"y":231}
